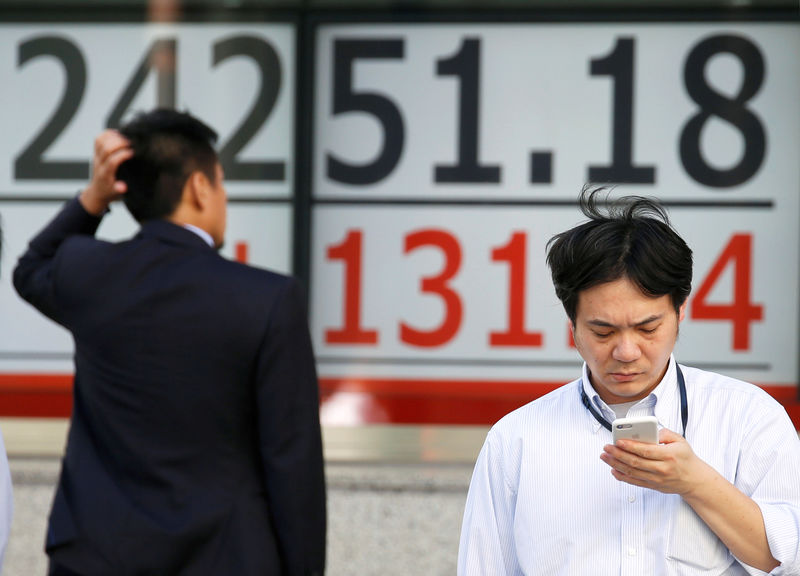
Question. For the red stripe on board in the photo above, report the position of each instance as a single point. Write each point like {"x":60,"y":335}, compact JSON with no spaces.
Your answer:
{"x":404,"y":401}
{"x":32,"y":382}
{"x":370,"y":401}
{"x":457,"y":402}
{"x":450,"y":388}
{"x":784,"y":394}
{"x":793,"y":410}
{"x":36,"y":395}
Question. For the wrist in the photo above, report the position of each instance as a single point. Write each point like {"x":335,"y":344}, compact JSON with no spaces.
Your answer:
{"x":92,"y":203}
{"x":703,"y":480}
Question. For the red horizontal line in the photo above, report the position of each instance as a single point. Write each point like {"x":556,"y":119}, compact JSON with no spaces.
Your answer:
{"x":31,"y":383}
{"x":438,"y":388}
{"x":36,"y":395}
{"x":470,"y":402}
{"x":783,"y":394}
{"x":427,"y":387}
{"x":388,"y":400}
{"x":27,"y":382}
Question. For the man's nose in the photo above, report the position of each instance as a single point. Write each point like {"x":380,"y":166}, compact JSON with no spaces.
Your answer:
{"x":627,"y":348}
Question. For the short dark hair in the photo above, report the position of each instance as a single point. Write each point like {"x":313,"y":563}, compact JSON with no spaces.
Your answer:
{"x":632,"y":238}
{"x":168,"y":146}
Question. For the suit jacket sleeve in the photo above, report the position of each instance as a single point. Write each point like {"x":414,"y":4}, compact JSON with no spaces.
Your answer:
{"x":290,"y":437}
{"x":34,"y":273}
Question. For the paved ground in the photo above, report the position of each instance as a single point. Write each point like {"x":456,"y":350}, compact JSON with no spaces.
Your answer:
{"x":384,"y":518}
{"x":395,"y":495}
{"x":395,"y":498}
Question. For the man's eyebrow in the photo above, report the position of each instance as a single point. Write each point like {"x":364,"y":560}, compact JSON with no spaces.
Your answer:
{"x":603,"y":324}
{"x":652,"y":318}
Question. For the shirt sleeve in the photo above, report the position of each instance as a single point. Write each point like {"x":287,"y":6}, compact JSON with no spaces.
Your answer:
{"x":6,"y":501}
{"x":487,"y":532}
{"x":769,"y":473}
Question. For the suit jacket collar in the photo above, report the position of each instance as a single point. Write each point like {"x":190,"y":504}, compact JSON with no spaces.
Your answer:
{"x":172,"y":233}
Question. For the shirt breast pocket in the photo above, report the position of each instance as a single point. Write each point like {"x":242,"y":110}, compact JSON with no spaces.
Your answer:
{"x":692,"y":548}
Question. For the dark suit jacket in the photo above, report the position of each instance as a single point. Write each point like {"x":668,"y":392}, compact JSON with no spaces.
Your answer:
{"x":195,"y":440}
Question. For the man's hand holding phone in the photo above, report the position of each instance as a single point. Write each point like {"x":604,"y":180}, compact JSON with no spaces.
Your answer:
{"x":668,"y":465}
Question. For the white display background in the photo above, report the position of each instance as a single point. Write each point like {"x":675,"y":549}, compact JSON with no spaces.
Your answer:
{"x":536,"y":94}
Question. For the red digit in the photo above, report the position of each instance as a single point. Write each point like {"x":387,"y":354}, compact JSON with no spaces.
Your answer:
{"x":438,"y":285}
{"x":515,"y":254}
{"x":349,"y":252}
{"x":741,"y":312}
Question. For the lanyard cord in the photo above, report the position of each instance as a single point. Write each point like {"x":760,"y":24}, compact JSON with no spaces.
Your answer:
{"x":684,"y":404}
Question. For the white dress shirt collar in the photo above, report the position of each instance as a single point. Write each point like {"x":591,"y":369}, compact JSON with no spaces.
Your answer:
{"x":668,"y":403}
{"x":663,"y":402}
{"x":200,"y":232}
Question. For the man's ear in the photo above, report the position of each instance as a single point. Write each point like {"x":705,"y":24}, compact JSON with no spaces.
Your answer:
{"x":197,"y":189}
{"x":682,"y":311}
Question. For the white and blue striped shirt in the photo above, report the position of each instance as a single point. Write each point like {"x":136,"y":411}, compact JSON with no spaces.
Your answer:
{"x":542,"y":502}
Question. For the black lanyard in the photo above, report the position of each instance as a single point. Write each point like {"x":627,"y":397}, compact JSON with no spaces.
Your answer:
{"x":607,"y":424}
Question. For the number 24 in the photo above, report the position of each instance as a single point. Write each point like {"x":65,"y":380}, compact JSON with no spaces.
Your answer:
{"x":30,"y":163}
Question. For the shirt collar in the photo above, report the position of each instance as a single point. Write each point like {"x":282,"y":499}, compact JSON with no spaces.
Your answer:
{"x":200,"y":232}
{"x":668,"y":403}
{"x":596,"y":401}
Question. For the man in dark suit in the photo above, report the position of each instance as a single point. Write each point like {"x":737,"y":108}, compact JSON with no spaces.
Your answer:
{"x":195,"y":446}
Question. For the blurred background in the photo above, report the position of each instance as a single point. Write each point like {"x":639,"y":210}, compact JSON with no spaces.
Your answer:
{"x":409,"y":162}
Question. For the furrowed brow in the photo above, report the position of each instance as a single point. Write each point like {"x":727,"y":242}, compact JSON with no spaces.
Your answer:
{"x":652,"y":318}
{"x":603,"y":324}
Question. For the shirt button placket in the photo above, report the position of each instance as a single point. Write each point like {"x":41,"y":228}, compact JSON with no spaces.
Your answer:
{"x":632,"y":533}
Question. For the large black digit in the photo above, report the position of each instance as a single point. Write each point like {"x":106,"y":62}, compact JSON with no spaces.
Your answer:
{"x":465,"y":65}
{"x":619,"y":65}
{"x":346,"y":99}
{"x":266,"y":58}
{"x":29,"y":165}
{"x":161,"y":59}
{"x":732,"y":110}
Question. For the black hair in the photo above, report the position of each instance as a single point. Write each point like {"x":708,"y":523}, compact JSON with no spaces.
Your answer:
{"x":632,"y":238}
{"x":168,"y":146}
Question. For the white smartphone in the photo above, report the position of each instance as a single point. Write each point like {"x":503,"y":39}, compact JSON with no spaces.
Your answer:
{"x":643,"y":429}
